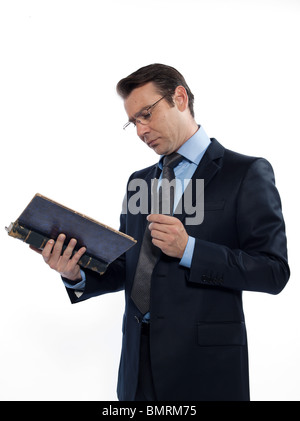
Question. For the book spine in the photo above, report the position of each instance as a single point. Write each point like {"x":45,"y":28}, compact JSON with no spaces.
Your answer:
{"x":39,"y":241}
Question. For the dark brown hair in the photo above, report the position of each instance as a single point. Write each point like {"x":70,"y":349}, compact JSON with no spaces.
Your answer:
{"x":165,"y":78}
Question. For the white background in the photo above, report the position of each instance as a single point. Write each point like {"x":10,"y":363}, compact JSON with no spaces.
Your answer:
{"x":61,"y":127}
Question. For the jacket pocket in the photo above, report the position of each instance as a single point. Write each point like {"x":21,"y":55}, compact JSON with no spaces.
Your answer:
{"x":221,"y":334}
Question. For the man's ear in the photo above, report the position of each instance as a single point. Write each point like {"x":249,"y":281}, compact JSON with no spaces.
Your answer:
{"x":181,"y":98}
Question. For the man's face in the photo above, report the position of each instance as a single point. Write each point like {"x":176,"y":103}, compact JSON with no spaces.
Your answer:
{"x":164,"y":132}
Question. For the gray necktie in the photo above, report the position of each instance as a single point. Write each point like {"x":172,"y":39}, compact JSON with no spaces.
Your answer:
{"x":149,"y":253}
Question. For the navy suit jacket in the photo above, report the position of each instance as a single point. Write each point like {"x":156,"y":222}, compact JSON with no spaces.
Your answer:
{"x":197,"y":332}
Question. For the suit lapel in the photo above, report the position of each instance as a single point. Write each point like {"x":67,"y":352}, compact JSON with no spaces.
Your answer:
{"x":208,"y":167}
{"x":210,"y":163}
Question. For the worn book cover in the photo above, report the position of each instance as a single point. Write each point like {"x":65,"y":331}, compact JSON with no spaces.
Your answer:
{"x":44,"y":219}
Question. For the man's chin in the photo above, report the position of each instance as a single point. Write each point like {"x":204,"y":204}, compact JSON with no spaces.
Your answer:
{"x":159,"y":149}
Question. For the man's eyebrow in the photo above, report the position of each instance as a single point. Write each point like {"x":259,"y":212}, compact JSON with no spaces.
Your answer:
{"x":142,"y":109}
{"x":133,"y":118}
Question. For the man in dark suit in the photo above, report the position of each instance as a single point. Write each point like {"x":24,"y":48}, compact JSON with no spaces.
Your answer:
{"x":190,"y":343}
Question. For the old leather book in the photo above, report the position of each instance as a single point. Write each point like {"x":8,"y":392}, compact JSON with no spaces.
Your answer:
{"x":44,"y":219}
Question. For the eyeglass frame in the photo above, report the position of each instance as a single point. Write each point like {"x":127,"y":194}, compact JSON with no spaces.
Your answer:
{"x":147,"y":109}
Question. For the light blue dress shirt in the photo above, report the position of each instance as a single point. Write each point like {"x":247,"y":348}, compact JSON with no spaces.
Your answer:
{"x":192,"y":151}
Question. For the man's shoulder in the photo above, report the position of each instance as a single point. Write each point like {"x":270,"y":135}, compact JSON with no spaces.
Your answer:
{"x":234,"y":157}
{"x":239,"y":157}
{"x":239,"y":163}
{"x":229,"y":153}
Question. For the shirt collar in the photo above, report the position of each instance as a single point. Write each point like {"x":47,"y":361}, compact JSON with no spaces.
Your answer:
{"x":194,"y":148}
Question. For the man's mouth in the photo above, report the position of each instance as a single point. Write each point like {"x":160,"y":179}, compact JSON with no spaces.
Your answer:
{"x":151,"y":143}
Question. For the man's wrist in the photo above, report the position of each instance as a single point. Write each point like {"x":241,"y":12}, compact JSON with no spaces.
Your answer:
{"x":186,"y":259}
{"x":77,"y":284}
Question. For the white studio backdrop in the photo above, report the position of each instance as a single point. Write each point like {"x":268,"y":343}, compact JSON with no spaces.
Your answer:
{"x":61,"y":130}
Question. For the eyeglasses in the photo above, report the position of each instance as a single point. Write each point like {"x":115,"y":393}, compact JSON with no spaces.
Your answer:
{"x":143,"y":116}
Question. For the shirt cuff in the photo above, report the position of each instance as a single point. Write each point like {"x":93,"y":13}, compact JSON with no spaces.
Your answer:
{"x":80,"y":285}
{"x":188,"y":253}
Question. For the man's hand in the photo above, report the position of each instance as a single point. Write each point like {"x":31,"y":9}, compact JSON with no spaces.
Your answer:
{"x":169,"y":234}
{"x":66,"y":265}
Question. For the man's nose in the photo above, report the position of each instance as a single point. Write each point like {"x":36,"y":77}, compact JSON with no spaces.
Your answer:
{"x":142,"y":130}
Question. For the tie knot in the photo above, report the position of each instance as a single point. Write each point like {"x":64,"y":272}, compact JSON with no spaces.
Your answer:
{"x":172,"y":160}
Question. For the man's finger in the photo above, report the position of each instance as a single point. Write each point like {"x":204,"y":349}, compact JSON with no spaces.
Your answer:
{"x":46,"y":253}
{"x":154,"y":226}
{"x":78,"y":255}
{"x":161,"y":219}
{"x":68,"y":267}
{"x":68,"y":251}
{"x":58,"y":246}
{"x":159,"y":235}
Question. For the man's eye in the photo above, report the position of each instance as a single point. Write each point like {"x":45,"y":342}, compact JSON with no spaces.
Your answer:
{"x":146,"y":115}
